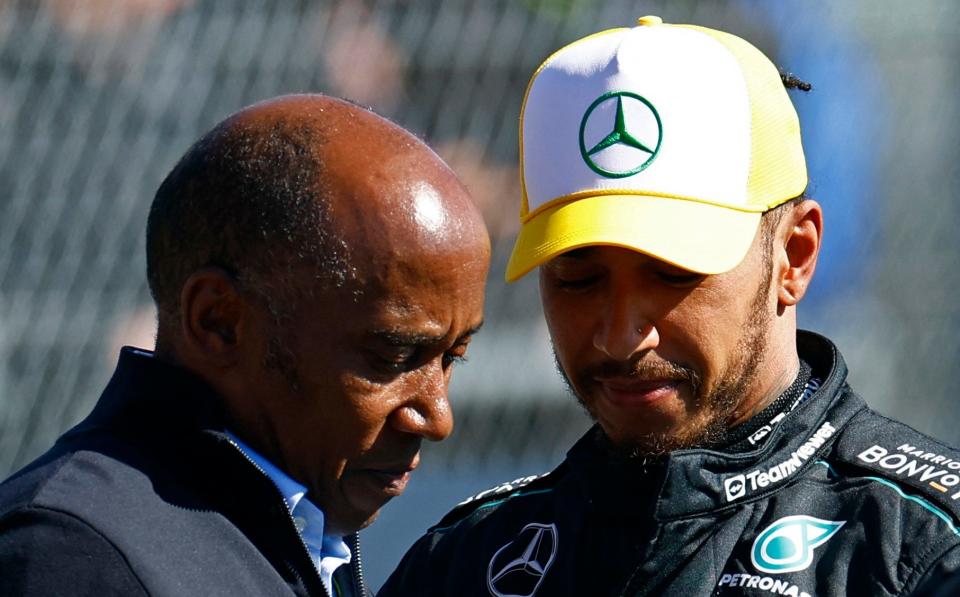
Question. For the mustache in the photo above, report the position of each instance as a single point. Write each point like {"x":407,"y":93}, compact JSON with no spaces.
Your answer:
{"x":642,"y":369}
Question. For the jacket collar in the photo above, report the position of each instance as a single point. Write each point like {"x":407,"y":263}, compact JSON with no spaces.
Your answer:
{"x":146,"y":392}
{"x":691,"y":482}
{"x":173,"y":417}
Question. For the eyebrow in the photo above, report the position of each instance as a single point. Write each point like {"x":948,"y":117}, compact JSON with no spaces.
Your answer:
{"x":401,"y":338}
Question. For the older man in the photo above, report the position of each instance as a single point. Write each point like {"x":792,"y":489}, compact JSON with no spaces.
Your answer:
{"x":664,"y":204}
{"x":317,"y":271}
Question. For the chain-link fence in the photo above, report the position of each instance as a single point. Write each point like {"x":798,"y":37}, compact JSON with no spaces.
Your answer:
{"x":98,"y":98}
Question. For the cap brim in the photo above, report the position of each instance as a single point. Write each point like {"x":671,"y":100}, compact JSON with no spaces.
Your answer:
{"x":696,"y":236}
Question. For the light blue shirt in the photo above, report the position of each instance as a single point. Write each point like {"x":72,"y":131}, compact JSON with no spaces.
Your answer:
{"x":328,"y":552}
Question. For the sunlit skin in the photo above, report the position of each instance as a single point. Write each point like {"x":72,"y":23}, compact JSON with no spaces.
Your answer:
{"x":661,"y":356}
{"x":370,"y":361}
{"x":372,"y":377}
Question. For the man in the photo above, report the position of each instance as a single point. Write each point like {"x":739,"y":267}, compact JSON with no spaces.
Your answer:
{"x":664,"y":204}
{"x":317,"y":271}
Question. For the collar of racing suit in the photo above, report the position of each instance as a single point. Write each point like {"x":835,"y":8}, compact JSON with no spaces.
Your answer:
{"x":750,"y":434}
{"x":696,"y":481}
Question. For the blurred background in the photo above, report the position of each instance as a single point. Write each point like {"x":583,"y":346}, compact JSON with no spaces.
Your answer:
{"x":99,"y":98}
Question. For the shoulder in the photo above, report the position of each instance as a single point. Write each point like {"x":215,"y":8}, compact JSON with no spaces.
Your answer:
{"x":65,"y":479}
{"x":917,"y":467}
{"x":45,"y":551}
{"x":116,"y":491}
{"x":452,"y":545}
{"x":27,"y":486}
{"x":58,"y":490}
{"x":496,"y":496}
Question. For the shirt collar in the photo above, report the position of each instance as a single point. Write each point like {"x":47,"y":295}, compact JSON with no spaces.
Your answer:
{"x":327,"y":552}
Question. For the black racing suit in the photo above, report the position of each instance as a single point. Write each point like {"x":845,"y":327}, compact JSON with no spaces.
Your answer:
{"x":838,"y":500}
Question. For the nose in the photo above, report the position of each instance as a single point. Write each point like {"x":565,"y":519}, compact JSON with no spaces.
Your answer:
{"x":622,"y":330}
{"x":427,"y":413}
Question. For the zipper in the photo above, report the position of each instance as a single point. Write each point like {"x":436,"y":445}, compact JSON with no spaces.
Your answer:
{"x":358,"y":568}
{"x":289,"y":517}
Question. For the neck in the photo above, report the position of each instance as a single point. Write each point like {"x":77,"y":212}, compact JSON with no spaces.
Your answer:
{"x":783,"y":365}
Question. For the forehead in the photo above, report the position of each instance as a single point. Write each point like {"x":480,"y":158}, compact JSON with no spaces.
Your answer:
{"x":410,"y":277}
{"x":430,"y":291}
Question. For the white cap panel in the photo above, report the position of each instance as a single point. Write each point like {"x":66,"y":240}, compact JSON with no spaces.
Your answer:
{"x":704,"y":147}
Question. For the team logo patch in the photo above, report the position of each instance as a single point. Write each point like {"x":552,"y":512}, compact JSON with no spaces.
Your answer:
{"x":915,"y":464}
{"x":787,"y":545}
{"x":736,"y":487}
{"x":518,"y":568}
{"x":739,"y":485}
{"x":503,"y":488}
{"x":620,"y":134}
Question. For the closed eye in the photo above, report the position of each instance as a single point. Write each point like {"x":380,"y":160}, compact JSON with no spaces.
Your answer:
{"x":681,"y":280}
{"x":577,"y":283}
{"x":452,"y":359}
{"x":398,"y":359}
{"x":458,"y":352}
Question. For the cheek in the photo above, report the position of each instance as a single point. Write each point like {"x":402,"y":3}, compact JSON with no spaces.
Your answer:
{"x":687,"y":336}
{"x":568,"y":316}
{"x":703,"y":334}
{"x":343,"y":418}
{"x":366,"y":405}
{"x":570,"y":333}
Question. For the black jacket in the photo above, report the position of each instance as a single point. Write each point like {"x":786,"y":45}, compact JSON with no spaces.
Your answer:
{"x":839,"y":500}
{"x":147,"y":496}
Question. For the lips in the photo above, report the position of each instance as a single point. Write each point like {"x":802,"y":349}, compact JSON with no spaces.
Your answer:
{"x":633,"y":392}
{"x":390,"y":478}
{"x":393,"y":481}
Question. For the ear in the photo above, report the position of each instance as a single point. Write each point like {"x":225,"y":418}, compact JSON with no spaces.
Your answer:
{"x":802,"y":231}
{"x":213,"y":316}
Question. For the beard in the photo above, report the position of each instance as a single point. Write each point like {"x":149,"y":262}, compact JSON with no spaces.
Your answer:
{"x":710,"y":410}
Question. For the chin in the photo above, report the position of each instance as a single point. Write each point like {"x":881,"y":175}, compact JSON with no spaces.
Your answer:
{"x":369,"y":520}
{"x":636,"y":443}
{"x":642,"y":433}
{"x":353,"y":521}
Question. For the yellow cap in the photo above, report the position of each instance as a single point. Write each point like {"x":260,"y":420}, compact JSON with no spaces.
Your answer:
{"x":671,"y":140}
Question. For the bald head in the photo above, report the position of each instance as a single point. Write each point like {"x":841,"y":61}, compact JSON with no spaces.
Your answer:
{"x":322,"y":270}
{"x":303,"y":185}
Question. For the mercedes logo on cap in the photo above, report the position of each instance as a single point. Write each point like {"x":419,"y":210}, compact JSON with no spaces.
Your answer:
{"x":517,"y":568}
{"x":623,"y":134}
